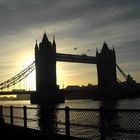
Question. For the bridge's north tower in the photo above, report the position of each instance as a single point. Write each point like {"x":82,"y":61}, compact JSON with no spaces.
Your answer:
{"x":45,"y":62}
{"x":106,"y":70}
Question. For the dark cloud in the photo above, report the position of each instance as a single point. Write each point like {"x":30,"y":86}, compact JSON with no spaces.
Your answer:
{"x":17,"y":15}
{"x":79,"y":23}
{"x":128,"y":52}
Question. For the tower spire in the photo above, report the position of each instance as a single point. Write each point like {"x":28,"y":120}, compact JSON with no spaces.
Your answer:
{"x":113,"y":48}
{"x":54,"y":44}
{"x":45,"y":38}
{"x":36,"y":45}
{"x":96,"y":51}
{"x":105,"y":48}
{"x":53,"y":38}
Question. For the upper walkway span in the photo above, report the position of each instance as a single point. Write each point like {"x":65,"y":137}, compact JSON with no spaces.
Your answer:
{"x":78,"y":58}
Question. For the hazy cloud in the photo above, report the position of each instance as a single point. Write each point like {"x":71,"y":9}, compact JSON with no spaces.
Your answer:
{"x":80,"y":23}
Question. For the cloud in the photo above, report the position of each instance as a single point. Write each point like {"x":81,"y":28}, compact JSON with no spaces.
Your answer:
{"x":79,"y":23}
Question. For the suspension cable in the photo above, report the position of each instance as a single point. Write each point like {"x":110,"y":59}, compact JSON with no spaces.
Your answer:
{"x":123,"y":74}
{"x":19,"y":77}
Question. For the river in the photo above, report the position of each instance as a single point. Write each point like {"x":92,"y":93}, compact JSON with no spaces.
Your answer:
{"x":90,"y":104}
{"x":39,"y":115}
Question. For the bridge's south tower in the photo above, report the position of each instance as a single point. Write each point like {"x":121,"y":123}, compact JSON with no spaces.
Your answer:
{"x":106,"y":70}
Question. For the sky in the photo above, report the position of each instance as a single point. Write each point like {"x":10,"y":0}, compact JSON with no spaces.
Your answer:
{"x":81,"y":24}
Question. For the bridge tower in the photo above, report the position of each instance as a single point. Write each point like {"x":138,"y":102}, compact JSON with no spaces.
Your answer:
{"x":106,"y":71}
{"x":45,"y":62}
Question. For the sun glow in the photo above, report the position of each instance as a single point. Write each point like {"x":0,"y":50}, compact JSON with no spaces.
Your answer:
{"x":29,"y":82}
{"x":60,"y":76}
{"x":75,"y":74}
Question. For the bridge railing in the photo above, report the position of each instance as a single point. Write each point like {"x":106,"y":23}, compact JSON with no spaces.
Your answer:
{"x":95,"y":124}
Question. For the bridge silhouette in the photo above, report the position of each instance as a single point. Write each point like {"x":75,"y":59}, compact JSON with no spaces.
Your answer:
{"x":45,"y":65}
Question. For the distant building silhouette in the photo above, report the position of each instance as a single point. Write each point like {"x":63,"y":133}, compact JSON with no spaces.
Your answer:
{"x":106,"y":71}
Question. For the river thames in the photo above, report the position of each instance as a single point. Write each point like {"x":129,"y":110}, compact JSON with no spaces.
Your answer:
{"x":89,"y":104}
{"x":35,"y":115}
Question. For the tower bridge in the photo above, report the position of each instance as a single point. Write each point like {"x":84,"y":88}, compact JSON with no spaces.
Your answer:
{"x":45,"y":66}
{"x":45,"y":63}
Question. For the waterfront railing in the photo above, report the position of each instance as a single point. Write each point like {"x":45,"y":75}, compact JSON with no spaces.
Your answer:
{"x":100,"y":124}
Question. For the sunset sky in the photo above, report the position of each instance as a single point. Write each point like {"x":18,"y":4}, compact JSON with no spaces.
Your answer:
{"x":81,"y":24}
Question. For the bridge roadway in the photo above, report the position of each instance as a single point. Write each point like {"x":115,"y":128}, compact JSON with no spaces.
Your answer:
{"x":16,"y":92}
{"x":78,"y":58}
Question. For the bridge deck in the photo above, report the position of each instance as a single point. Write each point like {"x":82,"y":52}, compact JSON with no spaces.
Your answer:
{"x":16,"y":92}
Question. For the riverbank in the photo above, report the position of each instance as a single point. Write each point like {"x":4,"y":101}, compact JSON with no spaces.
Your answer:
{"x":100,"y":95}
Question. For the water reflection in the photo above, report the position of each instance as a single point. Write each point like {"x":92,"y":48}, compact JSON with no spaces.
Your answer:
{"x":109,"y":104}
{"x":47,"y":118}
{"x":111,"y":118}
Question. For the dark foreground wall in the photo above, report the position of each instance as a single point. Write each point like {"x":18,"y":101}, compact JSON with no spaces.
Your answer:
{"x":19,"y":133}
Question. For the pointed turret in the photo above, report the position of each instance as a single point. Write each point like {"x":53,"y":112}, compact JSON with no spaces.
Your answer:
{"x":36,"y":51}
{"x":113,"y":48}
{"x":96,"y":51}
{"x":36,"y":46}
{"x":45,"y":38}
{"x":54,"y":44}
{"x":45,"y":42}
{"x":105,"y":48}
